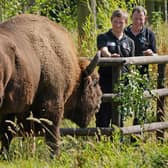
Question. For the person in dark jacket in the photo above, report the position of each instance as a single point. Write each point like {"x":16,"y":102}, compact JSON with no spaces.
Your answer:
{"x":113,"y":43}
{"x":144,"y":38}
{"x":145,"y":42}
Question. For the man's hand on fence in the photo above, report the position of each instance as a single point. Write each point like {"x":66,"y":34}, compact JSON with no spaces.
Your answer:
{"x":148,"y":52}
{"x":105,"y":52}
{"x":115,"y":55}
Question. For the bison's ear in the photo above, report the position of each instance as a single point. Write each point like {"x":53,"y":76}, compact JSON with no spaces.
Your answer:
{"x":94,"y":62}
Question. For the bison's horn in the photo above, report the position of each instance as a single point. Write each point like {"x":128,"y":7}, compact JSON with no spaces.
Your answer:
{"x":94,"y":62}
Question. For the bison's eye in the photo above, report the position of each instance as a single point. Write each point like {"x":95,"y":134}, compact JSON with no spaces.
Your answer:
{"x":95,"y":82}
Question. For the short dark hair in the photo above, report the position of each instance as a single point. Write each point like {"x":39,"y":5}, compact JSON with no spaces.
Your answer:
{"x":119,"y":13}
{"x":139,"y":9}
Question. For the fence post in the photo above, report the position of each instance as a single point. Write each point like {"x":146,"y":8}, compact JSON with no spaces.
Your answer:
{"x":160,"y":100}
{"x":116,"y":117}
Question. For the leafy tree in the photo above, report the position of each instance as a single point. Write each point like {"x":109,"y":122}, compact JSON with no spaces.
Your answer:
{"x":131,"y":88}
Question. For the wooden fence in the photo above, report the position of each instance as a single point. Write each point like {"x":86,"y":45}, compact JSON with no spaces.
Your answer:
{"x":161,"y":92}
{"x":108,"y":131}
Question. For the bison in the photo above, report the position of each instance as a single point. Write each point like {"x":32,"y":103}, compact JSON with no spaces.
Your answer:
{"x":41,"y":73}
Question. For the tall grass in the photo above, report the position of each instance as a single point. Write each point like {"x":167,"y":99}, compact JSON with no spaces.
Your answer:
{"x":161,"y":38}
{"x":88,"y":153}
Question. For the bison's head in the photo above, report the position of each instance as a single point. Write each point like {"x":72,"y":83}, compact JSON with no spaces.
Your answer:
{"x":88,"y":95}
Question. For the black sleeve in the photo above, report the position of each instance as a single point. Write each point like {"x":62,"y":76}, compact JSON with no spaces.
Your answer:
{"x":132,"y":53}
{"x":101,"y":41}
{"x":152,"y":42}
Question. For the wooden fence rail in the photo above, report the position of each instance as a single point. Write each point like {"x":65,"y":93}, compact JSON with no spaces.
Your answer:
{"x":107,"y":97}
{"x":109,"y":131}
{"x":140,"y":60}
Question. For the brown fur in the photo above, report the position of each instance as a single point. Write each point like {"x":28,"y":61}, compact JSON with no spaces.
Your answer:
{"x":40,"y":72}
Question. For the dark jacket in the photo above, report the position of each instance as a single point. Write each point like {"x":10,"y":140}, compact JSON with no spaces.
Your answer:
{"x":143,"y":41}
{"x":124,"y":47}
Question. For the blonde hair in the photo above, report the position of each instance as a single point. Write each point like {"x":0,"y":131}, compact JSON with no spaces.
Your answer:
{"x":119,"y":13}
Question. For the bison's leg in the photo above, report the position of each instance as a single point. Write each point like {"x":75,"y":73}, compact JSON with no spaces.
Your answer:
{"x":54,"y":114}
{"x":6,"y":128}
{"x":51,"y":109}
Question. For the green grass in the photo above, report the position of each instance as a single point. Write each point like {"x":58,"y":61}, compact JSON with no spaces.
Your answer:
{"x":87,"y":152}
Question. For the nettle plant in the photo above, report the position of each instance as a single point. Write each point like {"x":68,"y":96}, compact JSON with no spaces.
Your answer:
{"x":131,"y":99}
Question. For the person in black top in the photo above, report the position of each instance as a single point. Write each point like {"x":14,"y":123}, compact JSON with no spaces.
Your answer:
{"x":113,"y":43}
{"x":144,"y":38}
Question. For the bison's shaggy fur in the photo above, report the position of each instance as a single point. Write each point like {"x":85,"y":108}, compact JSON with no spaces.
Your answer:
{"x":40,"y":72}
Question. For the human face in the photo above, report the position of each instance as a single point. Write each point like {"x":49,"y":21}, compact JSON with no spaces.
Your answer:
{"x":138,"y":20}
{"x":118,"y":24}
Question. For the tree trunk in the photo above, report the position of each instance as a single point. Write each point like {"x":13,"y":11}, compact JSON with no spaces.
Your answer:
{"x":85,"y":9}
{"x":0,"y":13}
{"x":83,"y":13}
{"x":165,"y":4}
{"x":150,"y":8}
